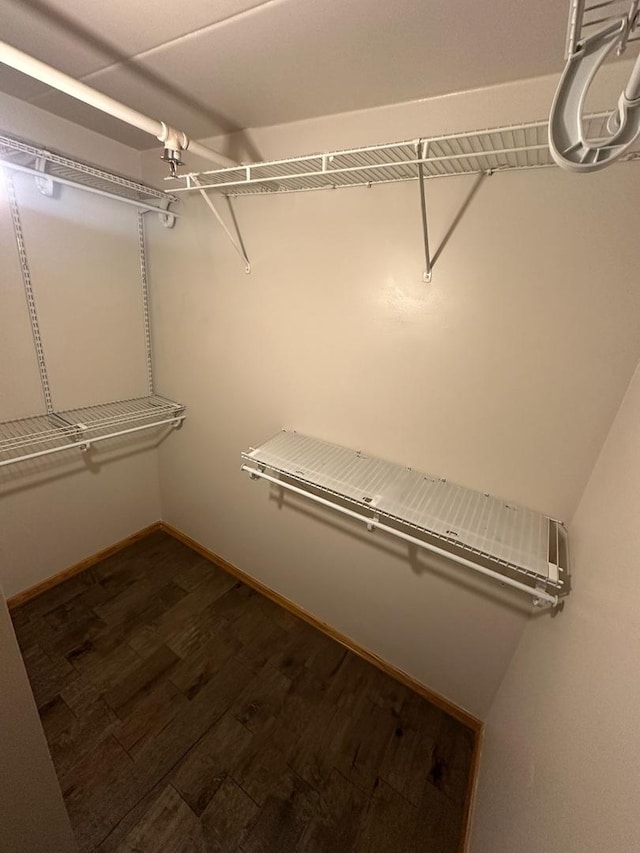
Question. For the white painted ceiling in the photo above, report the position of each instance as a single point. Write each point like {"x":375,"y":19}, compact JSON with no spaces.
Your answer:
{"x":210,"y":66}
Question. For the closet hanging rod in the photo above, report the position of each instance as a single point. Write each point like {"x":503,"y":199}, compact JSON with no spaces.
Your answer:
{"x":174,"y":141}
{"x":27,"y":170}
{"x":571,"y":148}
{"x":371,"y":523}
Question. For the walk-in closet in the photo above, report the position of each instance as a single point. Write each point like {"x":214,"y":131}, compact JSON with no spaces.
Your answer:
{"x":318,"y":401}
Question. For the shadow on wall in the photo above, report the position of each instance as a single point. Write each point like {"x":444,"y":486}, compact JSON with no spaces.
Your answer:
{"x":457,"y":219}
{"x":419,"y":561}
{"x":32,"y":473}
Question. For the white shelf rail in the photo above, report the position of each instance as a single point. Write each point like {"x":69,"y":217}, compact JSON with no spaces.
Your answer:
{"x":511,"y":544}
{"x":80,"y":429}
{"x":174,"y":141}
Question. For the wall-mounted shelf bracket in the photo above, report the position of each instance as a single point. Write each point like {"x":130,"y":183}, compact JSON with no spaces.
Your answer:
{"x":539,"y":600}
{"x":44,"y":183}
{"x":428,"y":264}
{"x":167,"y":219}
{"x":236,"y":243}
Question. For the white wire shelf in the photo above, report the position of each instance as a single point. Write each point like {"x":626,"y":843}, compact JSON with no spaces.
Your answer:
{"x":523,"y":146}
{"x":515,"y":545}
{"x":29,"y":438}
{"x":46,"y":165}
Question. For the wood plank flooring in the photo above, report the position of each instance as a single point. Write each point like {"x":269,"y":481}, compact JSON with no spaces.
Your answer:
{"x":185,"y":713}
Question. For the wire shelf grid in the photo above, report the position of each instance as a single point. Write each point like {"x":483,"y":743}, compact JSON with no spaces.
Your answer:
{"x":517,"y":539}
{"x":523,"y":146}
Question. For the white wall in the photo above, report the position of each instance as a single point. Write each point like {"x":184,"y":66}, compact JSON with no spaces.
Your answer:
{"x":504,"y":374}
{"x":33,"y":124}
{"x":561,"y":757}
{"x":84,"y":265}
{"x":32,"y":812}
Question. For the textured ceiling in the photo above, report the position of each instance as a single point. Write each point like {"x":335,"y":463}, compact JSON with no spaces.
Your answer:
{"x":209,"y":67}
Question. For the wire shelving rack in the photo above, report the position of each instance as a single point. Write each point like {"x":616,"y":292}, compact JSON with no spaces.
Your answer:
{"x":509,"y":543}
{"x":481,"y":152}
{"x":54,"y":431}
{"x":43,"y":435}
{"x":518,"y":146}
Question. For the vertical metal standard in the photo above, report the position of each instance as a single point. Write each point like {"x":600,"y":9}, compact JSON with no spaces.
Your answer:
{"x":425,"y":226}
{"x":28,"y":291}
{"x":145,"y":301}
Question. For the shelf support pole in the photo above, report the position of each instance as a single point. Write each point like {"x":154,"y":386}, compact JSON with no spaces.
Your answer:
{"x":426,"y":276}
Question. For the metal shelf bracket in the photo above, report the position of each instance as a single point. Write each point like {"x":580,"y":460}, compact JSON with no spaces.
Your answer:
{"x":236,"y":243}
{"x":422,"y":151}
{"x":167,"y":219}
{"x":43,"y":183}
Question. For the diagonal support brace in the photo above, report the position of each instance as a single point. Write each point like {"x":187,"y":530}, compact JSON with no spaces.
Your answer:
{"x":428,"y":261}
{"x":235,"y":243}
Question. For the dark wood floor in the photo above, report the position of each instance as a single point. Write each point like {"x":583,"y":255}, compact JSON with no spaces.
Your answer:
{"x":186,"y":712}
